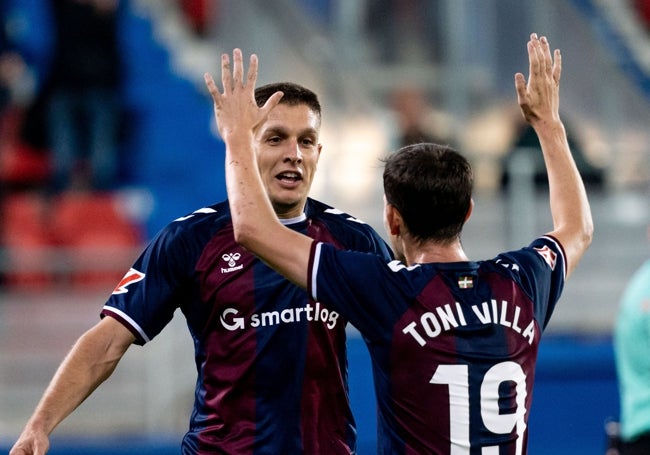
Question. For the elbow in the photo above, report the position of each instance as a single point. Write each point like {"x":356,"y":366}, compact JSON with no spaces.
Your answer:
{"x":244,"y":234}
{"x":588,"y":232}
{"x":251,"y":236}
{"x":584,"y":236}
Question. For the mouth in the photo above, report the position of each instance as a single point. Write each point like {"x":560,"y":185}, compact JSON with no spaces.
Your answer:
{"x":289,"y":177}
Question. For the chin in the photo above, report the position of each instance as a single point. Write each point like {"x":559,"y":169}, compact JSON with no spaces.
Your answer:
{"x":287,"y":206}
{"x":289,"y":198}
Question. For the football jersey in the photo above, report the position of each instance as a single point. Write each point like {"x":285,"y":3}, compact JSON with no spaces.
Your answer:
{"x":271,"y":362}
{"x":631,"y":347}
{"x":453,"y":346}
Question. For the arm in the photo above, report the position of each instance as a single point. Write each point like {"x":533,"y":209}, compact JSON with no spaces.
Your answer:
{"x":539,"y":102}
{"x":90,"y":362}
{"x":255,"y":224}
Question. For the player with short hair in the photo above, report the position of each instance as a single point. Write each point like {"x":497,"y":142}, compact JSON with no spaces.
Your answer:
{"x":453,"y":342}
{"x":271,"y":361}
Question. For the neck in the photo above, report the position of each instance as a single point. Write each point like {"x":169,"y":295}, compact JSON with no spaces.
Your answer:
{"x":422,"y":253}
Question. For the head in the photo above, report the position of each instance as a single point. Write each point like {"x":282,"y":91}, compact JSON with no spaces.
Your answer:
{"x":430,"y":186}
{"x":287,"y":146}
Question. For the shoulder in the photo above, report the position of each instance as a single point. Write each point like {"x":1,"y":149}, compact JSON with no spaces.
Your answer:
{"x":319,"y":211}
{"x":545,"y":252}
{"x":205,"y":220}
{"x":346,"y":230}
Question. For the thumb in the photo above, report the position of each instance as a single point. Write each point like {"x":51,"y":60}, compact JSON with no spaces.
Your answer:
{"x":271,"y":103}
{"x":520,"y":86}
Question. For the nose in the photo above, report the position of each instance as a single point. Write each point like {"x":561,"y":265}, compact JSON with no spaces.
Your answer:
{"x":293,"y":153}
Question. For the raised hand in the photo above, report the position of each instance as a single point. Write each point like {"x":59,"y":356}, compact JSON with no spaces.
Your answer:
{"x":235,"y":109}
{"x":539,"y":98}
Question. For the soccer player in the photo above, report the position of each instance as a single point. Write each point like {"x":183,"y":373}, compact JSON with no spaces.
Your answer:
{"x":631,"y":337}
{"x":271,"y":362}
{"x":453,"y":342}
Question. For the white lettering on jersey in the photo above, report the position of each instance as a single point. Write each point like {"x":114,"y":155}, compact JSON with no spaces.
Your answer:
{"x":309,"y":313}
{"x":237,"y":323}
{"x":448,"y":316}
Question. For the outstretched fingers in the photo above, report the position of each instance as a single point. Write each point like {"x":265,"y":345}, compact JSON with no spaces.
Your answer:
{"x":546,"y":55}
{"x":251,"y":78}
{"x":534,"y":61}
{"x":233,"y":78}
{"x":212,"y":87}
{"x":557,"y":66}
{"x":235,"y":107}
{"x":238,"y":69}
{"x":538,"y":94}
{"x":226,"y":75}
{"x":520,"y":86}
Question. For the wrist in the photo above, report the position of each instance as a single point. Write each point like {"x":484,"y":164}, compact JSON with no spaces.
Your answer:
{"x":237,"y":136}
{"x":548,"y":126}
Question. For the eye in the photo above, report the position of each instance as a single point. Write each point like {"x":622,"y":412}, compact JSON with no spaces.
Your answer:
{"x":308,"y":141}
{"x":274,"y":139}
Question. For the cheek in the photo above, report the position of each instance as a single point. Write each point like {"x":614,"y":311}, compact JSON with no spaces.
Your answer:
{"x":310,"y":170}
{"x":265,"y":165}
{"x":311,"y":161}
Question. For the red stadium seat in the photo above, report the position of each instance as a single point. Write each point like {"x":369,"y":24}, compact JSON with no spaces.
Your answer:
{"x":99,"y":240}
{"x":26,"y":241}
{"x":82,"y":239}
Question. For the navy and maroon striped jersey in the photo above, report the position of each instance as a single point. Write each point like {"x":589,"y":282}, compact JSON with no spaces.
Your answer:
{"x":453,"y":345}
{"x":272,"y":368}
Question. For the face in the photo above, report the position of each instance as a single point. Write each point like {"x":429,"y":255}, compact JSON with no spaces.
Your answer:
{"x":287,"y":156}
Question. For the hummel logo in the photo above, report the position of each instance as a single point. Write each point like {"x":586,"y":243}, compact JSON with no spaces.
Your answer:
{"x":231,"y":259}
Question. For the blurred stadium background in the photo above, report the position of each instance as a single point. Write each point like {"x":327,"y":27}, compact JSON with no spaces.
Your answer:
{"x":450,"y":62}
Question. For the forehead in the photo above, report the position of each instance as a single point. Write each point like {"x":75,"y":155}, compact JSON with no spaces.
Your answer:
{"x":291,"y":118}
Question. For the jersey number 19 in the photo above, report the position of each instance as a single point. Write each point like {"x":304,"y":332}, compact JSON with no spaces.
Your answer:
{"x":456,"y":377}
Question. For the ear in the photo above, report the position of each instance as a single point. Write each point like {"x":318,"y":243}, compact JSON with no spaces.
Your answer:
{"x":469,"y":210}
{"x":393,"y":220}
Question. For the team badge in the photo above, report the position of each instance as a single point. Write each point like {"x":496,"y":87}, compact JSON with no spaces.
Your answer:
{"x":465,"y":282}
{"x":549,"y":256}
{"x":132,"y":276}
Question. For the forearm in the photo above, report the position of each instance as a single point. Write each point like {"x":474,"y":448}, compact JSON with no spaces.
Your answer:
{"x":90,"y":361}
{"x":249,"y":206}
{"x":572,"y":221}
{"x":255,"y":223}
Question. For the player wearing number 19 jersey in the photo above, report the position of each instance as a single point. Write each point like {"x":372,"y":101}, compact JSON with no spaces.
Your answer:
{"x":272,"y":371}
{"x":453,"y":345}
{"x":453,"y":342}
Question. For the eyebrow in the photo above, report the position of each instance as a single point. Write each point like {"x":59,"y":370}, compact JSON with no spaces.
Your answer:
{"x":283,"y":131}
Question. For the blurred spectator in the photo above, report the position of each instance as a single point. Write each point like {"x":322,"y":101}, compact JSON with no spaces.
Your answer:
{"x":631,"y":347}
{"x":23,"y":59}
{"x":403,"y":30}
{"x":23,"y":51}
{"x":16,"y":79}
{"x":84,"y":93}
{"x":417,"y":120}
{"x":526,"y":142}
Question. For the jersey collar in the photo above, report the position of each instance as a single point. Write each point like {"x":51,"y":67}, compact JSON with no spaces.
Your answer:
{"x":294,"y":220}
